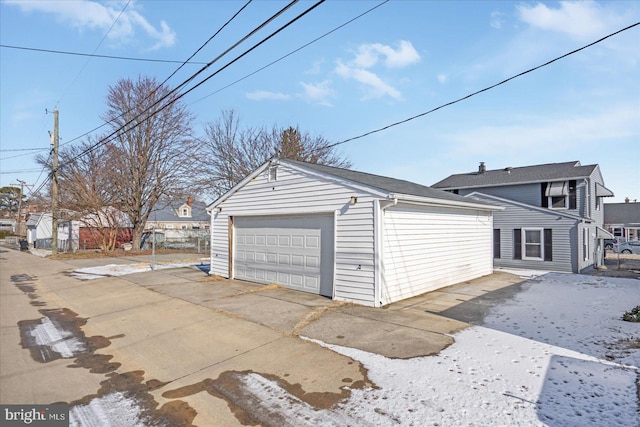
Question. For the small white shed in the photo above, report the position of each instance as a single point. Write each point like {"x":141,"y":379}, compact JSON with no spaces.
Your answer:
{"x":39,"y":226}
{"x":348,"y":235}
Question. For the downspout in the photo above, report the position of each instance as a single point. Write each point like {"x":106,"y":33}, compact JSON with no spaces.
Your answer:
{"x":210,"y":241}
{"x":379,"y":221}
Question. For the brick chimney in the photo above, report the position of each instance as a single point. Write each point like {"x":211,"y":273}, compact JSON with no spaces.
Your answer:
{"x":482,"y":168}
{"x":626,"y":200}
{"x":189,"y":201}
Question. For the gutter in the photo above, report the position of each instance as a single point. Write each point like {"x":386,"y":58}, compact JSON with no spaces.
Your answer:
{"x":443,"y":202}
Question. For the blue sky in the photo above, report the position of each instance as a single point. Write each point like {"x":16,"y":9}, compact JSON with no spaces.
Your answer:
{"x":397,"y":61}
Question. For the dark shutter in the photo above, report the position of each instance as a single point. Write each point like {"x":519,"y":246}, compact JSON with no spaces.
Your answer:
{"x":544,"y":200}
{"x":517,"y":243}
{"x":573,"y":199}
{"x":548,"y":245}
{"x":496,"y":243}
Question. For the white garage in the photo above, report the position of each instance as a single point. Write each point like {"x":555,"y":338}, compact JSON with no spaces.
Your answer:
{"x":348,"y":235}
{"x":293,"y":251}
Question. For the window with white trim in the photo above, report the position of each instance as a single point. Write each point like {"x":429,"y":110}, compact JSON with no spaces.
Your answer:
{"x":532,"y":244}
{"x":585,"y":244}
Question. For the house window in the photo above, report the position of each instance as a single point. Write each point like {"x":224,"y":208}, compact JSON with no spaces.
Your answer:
{"x":169,"y":226}
{"x":496,"y":243}
{"x":273,"y":173}
{"x":183,"y":227}
{"x":185,"y":212}
{"x":532,"y":243}
{"x":559,"y":195}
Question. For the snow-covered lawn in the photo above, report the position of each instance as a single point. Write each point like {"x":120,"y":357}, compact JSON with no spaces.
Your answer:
{"x":98,"y":272}
{"x":537,"y":360}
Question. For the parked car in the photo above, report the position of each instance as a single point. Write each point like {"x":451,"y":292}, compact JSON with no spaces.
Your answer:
{"x":632,"y":247}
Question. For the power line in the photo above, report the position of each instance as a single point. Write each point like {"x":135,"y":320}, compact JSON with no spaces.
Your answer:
{"x":93,"y":55}
{"x":481,"y":90}
{"x":182,"y":65}
{"x":179,"y":96}
{"x":292,"y":52}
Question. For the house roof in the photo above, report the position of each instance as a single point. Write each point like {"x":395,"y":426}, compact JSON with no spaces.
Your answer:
{"x":521,"y":175}
{"x":167,"y":211}
{"x":34,"y":219}
{"x":386,"y":184}
{"x":622,"y":213}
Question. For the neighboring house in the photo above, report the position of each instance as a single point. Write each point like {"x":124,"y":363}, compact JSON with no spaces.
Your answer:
{"x":553,"y":213}
{"x":347,"y":235}
{"x":623,"y":220}
{"x":172,"y":215}
{"x":39,"y":226}
{"x":88,"y":231}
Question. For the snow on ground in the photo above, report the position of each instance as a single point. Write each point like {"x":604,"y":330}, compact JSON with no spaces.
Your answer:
{"x":113,"y":410}
{"x":90,"y":273}
{"x":577,"y":312}
{"x":536,"y":361}
{"x":46,"y":333}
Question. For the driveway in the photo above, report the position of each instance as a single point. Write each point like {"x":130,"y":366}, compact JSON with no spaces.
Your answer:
{"x":177,"y":337}
{"x":176,"y":347}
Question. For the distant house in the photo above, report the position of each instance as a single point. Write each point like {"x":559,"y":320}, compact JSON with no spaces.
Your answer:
{"x":176,"y":215}
{"x":93,"y":231}
{"x":623,"y":220}
{"x":39,"y":226}
{"x":553,"y":217}
{"x":347,"y":235}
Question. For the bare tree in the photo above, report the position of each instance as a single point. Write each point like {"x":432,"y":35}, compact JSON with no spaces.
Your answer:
{"x":232,"y":152}
{"x":87,"y":195}
{"x":152,"y":153}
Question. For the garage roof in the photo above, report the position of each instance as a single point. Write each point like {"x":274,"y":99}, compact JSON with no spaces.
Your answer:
{"x":386,"y":184}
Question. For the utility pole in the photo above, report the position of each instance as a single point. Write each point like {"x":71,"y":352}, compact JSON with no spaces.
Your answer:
{"x":54,"y":185}
{"x":18,"y":220}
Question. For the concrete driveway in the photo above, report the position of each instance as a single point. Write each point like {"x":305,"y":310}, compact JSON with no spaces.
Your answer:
{"x":182,"y":344}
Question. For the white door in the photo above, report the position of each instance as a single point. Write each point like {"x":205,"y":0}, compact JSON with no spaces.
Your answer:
{"x":292,"y":251}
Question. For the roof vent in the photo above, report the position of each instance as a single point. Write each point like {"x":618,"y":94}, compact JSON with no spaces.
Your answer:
{"x":507,"y":170}
{"x":482,"y":168}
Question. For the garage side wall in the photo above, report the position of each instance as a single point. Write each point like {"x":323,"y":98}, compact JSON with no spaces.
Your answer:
{"x":428,"y":248}
{"x":296,"y":192}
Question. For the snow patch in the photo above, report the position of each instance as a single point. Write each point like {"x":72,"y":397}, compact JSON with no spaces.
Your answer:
{"x":59,"y":340}
{"x":113,"y":410}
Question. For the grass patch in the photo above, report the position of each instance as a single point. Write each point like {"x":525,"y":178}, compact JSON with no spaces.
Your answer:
{"x":632,"y":315}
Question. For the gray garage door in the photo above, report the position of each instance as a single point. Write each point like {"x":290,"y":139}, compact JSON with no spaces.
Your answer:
{"x":292,"y":251}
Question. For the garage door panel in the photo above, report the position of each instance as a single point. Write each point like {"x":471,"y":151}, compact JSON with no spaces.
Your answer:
{"x":296,"y":252}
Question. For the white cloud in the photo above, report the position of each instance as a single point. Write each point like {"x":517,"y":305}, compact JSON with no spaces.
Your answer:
{"x":580,"y":20}
{"x":369,"y":54}
{"x":442,"y":78}
{"x":318,"y":93}
{"x":261,"y":95}
{"x":91,"y":15}
{"x":375,"y":87}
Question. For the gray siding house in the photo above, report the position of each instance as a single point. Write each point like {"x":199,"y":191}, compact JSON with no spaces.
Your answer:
{"x":623,"y":220}
{"x":347,"y":235}
{"x":553,"y":214}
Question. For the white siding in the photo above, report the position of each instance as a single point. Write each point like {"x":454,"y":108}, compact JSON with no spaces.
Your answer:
{"x":301,"y":192}
{"x":428,"y":248}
